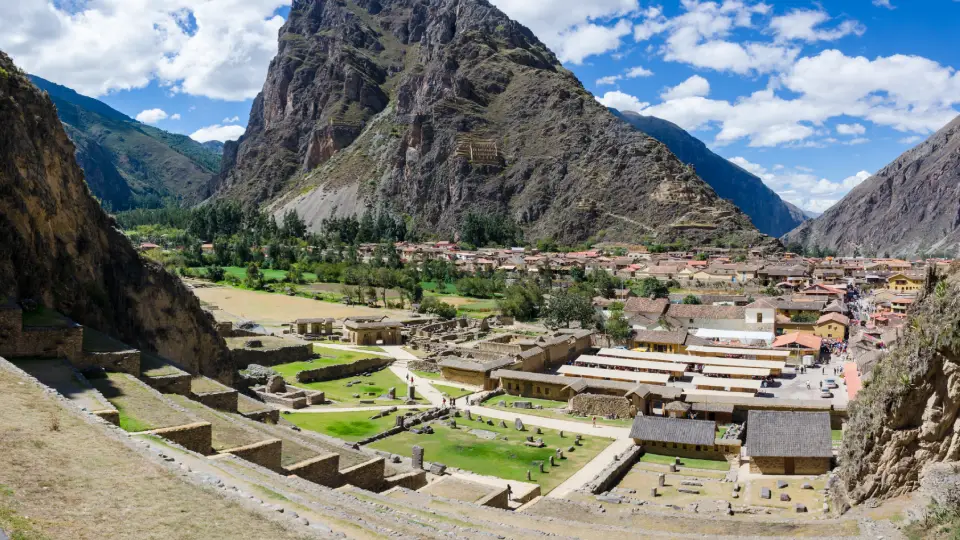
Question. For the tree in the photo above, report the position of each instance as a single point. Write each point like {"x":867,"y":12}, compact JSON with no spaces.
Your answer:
{"x":567,"y":306}
{"x":577,"y":274}
{"x":295,"y":274}
{"x":254,"y":278}
{"x":652,"y":287}
{"x":434,"y":306}
{"x":215,"y":273}
{"x":701,"y":256}
{"x":691,"y":299}
{"x":804,"y":317}
{"x":617,"y":326}
{"x":522,"y":301}
{"x":293,"y":225}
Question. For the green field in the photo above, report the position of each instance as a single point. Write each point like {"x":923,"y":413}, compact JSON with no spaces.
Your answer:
{"x":437,"y":288}
{"x":427,"y":375}
{"x":241,"y":273}
{"x":452,"y":391}
{"x":510,"y":459}
{"x":708,"y":464}
{"x":377,"y":383}
{"x":331,"y":357}
{"x":836,"y":434}
{"x":349,"y":426}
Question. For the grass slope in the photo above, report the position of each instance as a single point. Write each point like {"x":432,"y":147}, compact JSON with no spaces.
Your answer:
{"x":349,"y":426}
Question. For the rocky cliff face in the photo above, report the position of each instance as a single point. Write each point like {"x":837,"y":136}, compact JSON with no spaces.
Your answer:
{"x":59,"y":247}
{"x":910,"y":207}
{"x":433,"y":108}
{"x":771,"y":214}
{"x":908,"y":416}
{"x":127,"y":163}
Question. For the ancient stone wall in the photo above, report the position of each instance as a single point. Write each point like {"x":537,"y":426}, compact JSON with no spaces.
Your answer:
{"x":368,"y":475}
{"x":170,"y":384}
{"x":265,"y":453}
{"x":776,"y":465}
{"x":602,"y":405}
{"x":197,"y":437}
{"x":243,"y":357}
{"x":122,"y":361}
{"x":323,"y":470}
{"x":340,"y":371}
{"x":222,"y":401}
{"x":267,"y":416}
{"x":475,"y":378}
{"x":423,"y":365}
{"x":729,"y":450}
{"x":45,"y":343}
{"x":611,"y":475}
{"x":497,"y":499}
{"x":110,"y":415}
{"x":412,"y":480}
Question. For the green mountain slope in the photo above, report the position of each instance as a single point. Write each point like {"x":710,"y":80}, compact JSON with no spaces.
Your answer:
{"x":128,"y":164}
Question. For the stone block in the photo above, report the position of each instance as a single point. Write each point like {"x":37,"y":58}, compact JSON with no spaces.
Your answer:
{"x":765,"y":493}
{"x":417,"y":457}
{"x":518,"y":424}
{"x":438,"y":468}
{"x":800,"y":508}
{"x":784,"y":497}
{"x":781,"y":484}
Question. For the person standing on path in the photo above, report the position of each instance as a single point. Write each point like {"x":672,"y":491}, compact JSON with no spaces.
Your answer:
{"x":594,"y":421}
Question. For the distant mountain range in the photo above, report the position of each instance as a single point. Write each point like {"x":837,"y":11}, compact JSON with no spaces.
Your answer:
{"x":769,"y":213}
{"x":910,"y":207}
{"x":129,"y":164}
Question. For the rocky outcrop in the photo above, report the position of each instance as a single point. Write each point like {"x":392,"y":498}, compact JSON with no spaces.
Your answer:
{"x":58,"y":246}
{"x":127,"y":163}
{"x":435,"y":108}
{"x":907,"y":417}
{"x":910,"y":207}
{"x":771,"y":214}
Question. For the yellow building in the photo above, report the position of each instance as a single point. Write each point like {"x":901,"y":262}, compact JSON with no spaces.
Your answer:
{"x":905,"y":282}
{"x":832,"y":325}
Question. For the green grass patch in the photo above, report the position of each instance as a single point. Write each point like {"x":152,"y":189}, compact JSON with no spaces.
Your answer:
{"x":129,"y":423}
{"x":439,"y":288}
{"x":331,"y":357}
{"x":452,"y":391}
{"x":43,"y":316}
{"x":376,"y":384}
{"x":241,"y":273}
{"x":836,"y":434}
{"x":707,"y":464}
{"x":428,"y":375}
{"x":510,"y":459}
{"x":349,"y":426}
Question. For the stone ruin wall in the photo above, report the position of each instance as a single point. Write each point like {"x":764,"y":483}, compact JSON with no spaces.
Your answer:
{"x":122,"y":361}
{"x":265,"y":453}
{"x":368,"y":475}
{"x":775,"y":465}
{"x":340,"y":371}
{"x":226,"y":400}
{"x":197,"y":437}
{"x":323,"y":470}
{"x":243,"y":357}
{"x":602,"y":405}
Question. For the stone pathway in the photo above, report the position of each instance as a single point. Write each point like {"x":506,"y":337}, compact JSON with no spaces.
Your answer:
{"x":589,"y":471}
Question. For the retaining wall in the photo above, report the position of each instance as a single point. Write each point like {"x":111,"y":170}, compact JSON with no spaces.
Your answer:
{"x":265,"y":453}
{"x":197,"y":437}
{"x":170,"y":384}
{"x":602,"y":405}
{"x":611,"y":475}
{"x":498,"y":499}
{"x":341,"y":371}
{"x":43,"y":342}
{"x":223,"y":401}
{"x":368,"y":475}
{"x":412,"y":480}
{"x":243,"y":357}
{"x":323,"y":470}
{"x":122,"y":361}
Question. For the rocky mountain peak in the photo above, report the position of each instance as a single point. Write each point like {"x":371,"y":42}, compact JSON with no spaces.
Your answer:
{"x":433,"y":108}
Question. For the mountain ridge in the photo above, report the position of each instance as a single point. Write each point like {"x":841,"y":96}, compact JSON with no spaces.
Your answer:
{"x":384,"y":106}
{"x":910,"y":207}
{"x":769,"y":213}
{"x":127,"y":163}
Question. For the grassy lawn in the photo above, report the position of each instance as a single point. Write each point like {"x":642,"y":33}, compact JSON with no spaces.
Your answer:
{"x":836,"y":434}
{"x":437,"y":288}
{"x":44,"y":317}
{"x":708,"y":464}
{"x":349,"y":426}
{"x":510,"y":459}
{"x":427,"y":375}
{"x":241,"y":273}
{"x":452,"y":391}
{"x":331,"y":357}
{"x":140,"y":409}
{"x":378,"y":383}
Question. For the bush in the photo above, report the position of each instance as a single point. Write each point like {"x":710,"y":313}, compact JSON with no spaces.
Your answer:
{"x":215,"y":273}
{"x":433,"y":306}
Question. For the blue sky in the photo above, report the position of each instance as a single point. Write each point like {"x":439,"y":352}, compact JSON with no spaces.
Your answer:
{"x":811,"y":96}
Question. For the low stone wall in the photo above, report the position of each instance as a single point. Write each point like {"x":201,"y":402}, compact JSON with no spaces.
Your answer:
{"x":197,"y":437}
{"x":323,"y":470}
{"x":473,"y":378}
{"x":483,"y":396}
{"x":602,"y":405}
{"x":122,"y":361}
{"x":222,"y":401}
{"x":45,"y":342}
{"x":412,"y":480}
{"x":341,"y":371}
{"x":368,"y":475}
{"x":497,"y":499}
{"x":243,"y":357}
{"x":423,"y":365}
{"x":728,"y":450}
{"x":170,"y":384}
{"x":776,"y":465}
{"x":265,"y":453}
{"x":408,"y":422}
{"x":110,"y":415}
{"x":611,"y":475}
{"x":267,"y":416}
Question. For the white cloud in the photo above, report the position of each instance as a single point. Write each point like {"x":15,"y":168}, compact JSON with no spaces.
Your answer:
{"x":231,"y":120}
{"x":151,"y":116}
{"x":175,"y":116}
{"x":856,"y":141}
{"x":887,"y":4}
{"x":914,"y":139}
{"x":217,"y":132}
{"x":574,"y":29}
{"x":608,"y":80}
{"x":695,"y":86}
{"x":638,"y":71}
{"x":801,"y":25}
{"x":798,"y":186}
{"x":622,"y":102}
{"x":851,"y":129}
{"x":213,"y":48}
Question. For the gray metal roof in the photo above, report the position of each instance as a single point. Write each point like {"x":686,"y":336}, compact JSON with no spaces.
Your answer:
{"x":674,"y":430}
{"x":476,"y":365}
{"x":788,"y":434}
